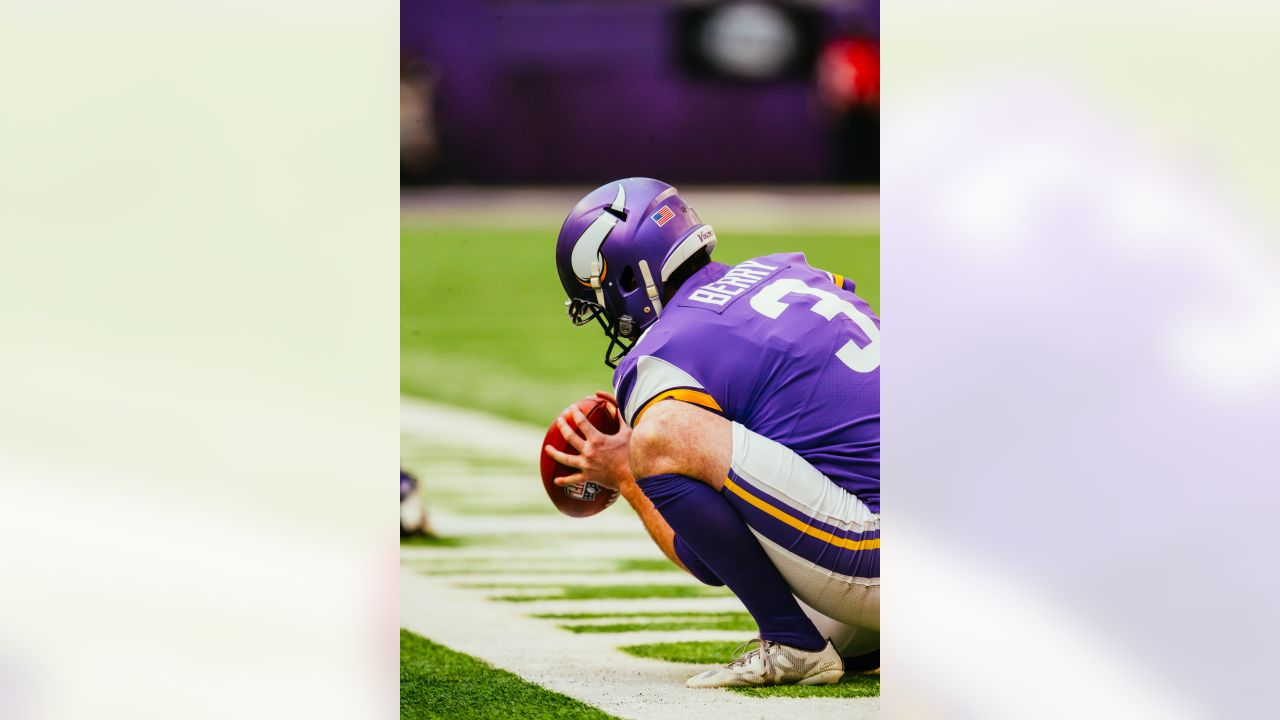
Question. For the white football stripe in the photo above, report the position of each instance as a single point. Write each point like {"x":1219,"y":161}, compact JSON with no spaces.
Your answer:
{"x":654,"y":376}
{"x":587,"y":248}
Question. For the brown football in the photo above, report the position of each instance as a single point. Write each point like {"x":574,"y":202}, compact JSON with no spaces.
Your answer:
{"x":581,"y":499}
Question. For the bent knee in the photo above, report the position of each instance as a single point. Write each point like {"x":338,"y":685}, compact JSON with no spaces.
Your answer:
{"x":694,"y":564}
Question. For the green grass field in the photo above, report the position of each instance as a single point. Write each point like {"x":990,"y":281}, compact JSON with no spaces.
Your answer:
{"x":486,"y":566}
{"x":605,"y":592}
{"x":515,"y":540}
{"x":638,"y":615}
{"x":482,"y":321}
{"x":640,"y":621}
{"x":742,"y":624}
{"x":436,"y":682}
{"x":483,"y":326}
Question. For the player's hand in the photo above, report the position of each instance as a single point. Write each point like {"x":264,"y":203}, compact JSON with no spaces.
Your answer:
{"x":602,"y":459}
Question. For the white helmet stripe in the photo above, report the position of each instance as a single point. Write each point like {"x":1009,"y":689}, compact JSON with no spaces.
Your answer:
{"x":587,"y":249}
{"x":700,"y":237}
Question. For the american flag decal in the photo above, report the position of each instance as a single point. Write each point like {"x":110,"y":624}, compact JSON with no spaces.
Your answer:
{"x":662,"y":216}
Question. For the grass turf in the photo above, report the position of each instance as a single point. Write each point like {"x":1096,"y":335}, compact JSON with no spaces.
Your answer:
{"x":482,"y":320}
{"x":747,"y":625}
{"x":610,"y":592}
{"x":641,"y":621}
{"x":701,"y":653}
{"x":483,"y":326}
{"x":523,"y":541}
{"x":850,"y":686}
{"x":651,"y":614}
{"x":436,"y":682}
{"x":647,"y":565}
{"x":718,"y":653}
{"x":476,"y":566}
{"x":432,"y":541}
{"x":474,"y":541}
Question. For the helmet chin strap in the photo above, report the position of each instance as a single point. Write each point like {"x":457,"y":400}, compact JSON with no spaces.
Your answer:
{"x":595,"y":282}
{"x":651,"y":289}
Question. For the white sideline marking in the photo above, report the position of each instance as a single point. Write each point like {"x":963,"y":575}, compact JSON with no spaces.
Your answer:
{"x":586,"y":666}
{"x":641,"y":619}
{"x":645,"y":605}
{"x":604,"y":577}
{"x":469,"y":429}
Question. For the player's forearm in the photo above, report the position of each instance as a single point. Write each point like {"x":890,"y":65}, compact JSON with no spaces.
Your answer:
{"x":657,"y":528}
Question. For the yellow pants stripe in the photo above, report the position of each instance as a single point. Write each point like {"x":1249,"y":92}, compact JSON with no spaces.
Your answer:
{"x":804,"y":527}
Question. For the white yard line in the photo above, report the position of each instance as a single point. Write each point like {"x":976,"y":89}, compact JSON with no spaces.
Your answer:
{"x":587,"y":666}
{"x":645,"y":605}
{"x":596,"y":550}
{"x":468,"y":429}
{"x":605,"y":577}
{"x":615,"y":525}
{"x":610,"y":642}
{"x":644,"y":618}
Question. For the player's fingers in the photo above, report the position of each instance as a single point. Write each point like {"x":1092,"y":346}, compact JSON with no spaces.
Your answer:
{"x":573,"y":461}
{"x":573,"y":479}
{"x":571,"y":437}
{"x":584,"y":424}
{"x":611,"y":403}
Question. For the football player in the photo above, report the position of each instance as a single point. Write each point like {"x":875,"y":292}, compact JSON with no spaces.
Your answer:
{"x":750,"y":396}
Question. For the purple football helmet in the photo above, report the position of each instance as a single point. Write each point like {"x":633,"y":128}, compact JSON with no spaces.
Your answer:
{"x":616,"y":251}
{"x":408,"y":484}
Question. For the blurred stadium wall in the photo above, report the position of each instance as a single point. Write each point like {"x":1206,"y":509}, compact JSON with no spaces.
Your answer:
{"x":574,"y":91}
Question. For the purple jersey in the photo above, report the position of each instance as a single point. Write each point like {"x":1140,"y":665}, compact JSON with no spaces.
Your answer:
{"x":784,"y":349}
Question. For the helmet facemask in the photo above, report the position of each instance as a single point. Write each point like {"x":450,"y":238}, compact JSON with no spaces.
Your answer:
{"x":582,"y":312}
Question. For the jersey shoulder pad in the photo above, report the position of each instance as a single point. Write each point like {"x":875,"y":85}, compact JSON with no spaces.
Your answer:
{"x":647,"y":379}
{"x":798,"y":260}
{"x":784,"y":259}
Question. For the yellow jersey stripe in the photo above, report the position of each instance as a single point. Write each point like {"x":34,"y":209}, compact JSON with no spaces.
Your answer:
{"x":696,"y":397}
{"x":838,"y":280}
{"x":807,"y":529}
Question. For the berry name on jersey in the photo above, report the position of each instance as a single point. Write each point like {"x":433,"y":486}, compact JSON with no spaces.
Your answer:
{"x":739,"y":279}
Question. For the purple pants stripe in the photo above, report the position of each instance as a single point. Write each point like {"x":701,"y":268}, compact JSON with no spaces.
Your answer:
{"x":800,"y":514}
{"x":845,"y":561}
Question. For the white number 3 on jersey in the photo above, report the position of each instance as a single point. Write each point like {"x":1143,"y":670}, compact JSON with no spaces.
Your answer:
{"x":768,"y":302}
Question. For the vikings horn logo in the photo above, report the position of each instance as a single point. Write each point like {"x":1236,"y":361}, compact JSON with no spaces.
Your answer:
{"x":586,"y":252}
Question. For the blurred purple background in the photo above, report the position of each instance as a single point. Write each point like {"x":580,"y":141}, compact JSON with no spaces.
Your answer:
{"x":559,"y":91}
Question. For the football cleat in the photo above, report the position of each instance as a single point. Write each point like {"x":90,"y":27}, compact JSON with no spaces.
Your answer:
{"x":771,"y":663}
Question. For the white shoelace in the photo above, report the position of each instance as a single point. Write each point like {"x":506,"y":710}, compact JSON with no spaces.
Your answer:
{"x":743,"y":656}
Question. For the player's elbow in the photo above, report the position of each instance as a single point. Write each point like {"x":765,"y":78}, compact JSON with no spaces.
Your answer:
{"x":653,"y":450}
{"x":676,"y":438}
